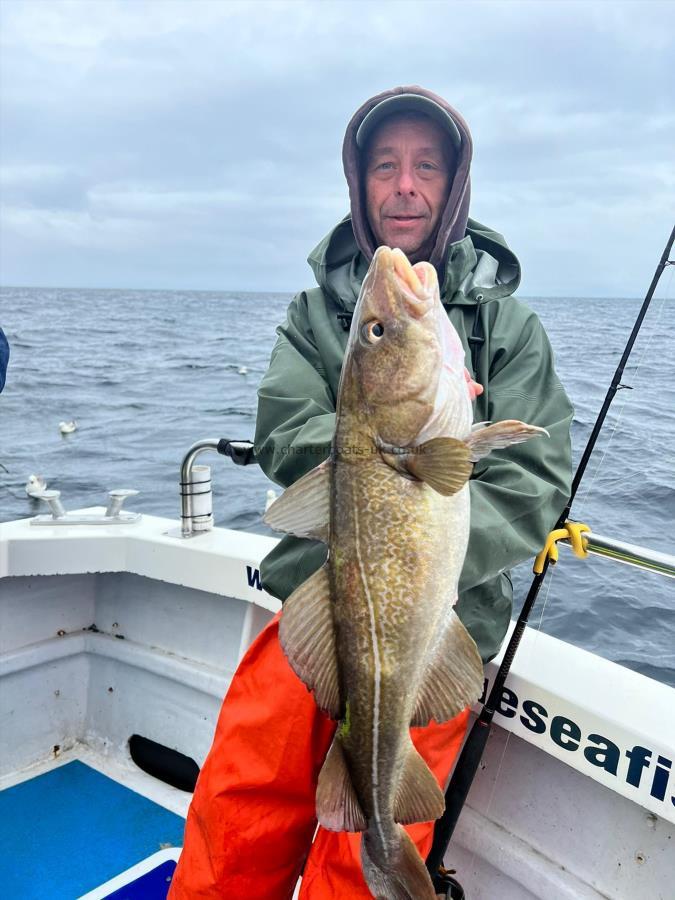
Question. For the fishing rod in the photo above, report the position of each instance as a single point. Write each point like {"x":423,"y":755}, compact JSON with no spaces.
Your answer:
{"x":472,"y":751}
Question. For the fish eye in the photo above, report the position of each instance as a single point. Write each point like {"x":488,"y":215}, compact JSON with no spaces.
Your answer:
{"x":373,"y":331}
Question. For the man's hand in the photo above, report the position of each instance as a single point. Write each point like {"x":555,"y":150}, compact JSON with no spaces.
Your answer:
{"x":475,"y":389}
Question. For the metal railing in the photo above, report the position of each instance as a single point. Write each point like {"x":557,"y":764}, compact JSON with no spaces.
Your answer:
{"x":629,"y":554}
{"x":242,"y":454}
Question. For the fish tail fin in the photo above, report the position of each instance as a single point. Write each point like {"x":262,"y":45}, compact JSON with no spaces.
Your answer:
{"x":394,"y":871}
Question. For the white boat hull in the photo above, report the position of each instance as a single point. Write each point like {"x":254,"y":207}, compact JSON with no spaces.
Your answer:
{"x":172,"y":618}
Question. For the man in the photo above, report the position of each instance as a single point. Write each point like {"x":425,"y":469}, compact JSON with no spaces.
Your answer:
{"x":406,"y":158}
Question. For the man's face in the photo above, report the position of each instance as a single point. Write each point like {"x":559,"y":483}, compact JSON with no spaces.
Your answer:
{"x":408,"y":180}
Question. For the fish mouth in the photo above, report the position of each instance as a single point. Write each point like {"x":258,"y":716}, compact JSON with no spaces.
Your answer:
{"x":416,"y":283}
{"x":411,"y":289}
{"x":407,"y":276}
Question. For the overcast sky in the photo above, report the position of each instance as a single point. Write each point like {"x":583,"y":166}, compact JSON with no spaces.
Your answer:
{"x":197,"y":144}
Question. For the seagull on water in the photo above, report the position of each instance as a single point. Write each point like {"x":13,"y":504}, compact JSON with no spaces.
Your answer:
{"x":35,"y":485}
{"x":271,"y":497}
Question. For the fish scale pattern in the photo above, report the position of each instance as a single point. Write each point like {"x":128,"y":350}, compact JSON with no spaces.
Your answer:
{"x":391,"y":597}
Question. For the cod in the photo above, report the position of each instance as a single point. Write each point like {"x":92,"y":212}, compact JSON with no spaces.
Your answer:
{"x":373,"y":633}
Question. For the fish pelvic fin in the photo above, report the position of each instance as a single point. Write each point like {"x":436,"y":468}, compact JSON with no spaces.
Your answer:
{"x":307,"y":637}
{"x":485,"y":437}
{"x":304,"y":508}
{"x":337,"y":806}
{"x":444,"y":463}
{"x":453,"y":678}
{"x":397,"y":871}
{"x":419,"y":797}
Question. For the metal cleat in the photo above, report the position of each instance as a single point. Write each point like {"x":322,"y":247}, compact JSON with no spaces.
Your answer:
{"x":116,"y":499}
{"x":113,"y":515}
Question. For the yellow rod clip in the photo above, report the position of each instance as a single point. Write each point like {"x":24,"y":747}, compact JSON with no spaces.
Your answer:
{"x":571,"y":531}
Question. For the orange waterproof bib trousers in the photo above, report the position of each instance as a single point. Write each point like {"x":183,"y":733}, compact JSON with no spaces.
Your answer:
{"x":252,"y":819}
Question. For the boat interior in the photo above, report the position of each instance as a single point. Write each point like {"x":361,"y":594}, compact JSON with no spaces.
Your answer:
{"x":118,"y":643}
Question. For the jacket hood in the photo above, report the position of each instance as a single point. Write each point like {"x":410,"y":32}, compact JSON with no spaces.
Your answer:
{"x":453,"y":221}
{"x":479,"y":267}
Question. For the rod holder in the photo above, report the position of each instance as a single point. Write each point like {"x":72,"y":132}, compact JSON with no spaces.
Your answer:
{"x":196,"y":509}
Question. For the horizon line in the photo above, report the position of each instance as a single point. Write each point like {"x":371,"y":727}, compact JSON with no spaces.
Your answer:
{"x":291,"y":293}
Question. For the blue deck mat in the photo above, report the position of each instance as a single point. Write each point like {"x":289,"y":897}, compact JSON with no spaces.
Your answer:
{"x":70,"y":830}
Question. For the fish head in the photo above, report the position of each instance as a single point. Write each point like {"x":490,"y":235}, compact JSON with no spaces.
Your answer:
{"x":404,"y":359}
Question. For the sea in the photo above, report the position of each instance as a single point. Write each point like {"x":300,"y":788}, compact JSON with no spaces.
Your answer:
{"x":147,"y":373}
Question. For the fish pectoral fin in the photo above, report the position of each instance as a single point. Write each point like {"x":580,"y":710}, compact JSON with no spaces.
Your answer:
{"x":304,"y":508}
{"x":419,"y":797}
{"x":453,"y":678}
{"x":337,"y":806}
{"x":307,"y":637}
{"x":444,"y":463}
{"x":483,"y":440}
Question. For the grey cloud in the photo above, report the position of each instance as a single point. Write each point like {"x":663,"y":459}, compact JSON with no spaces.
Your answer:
{"x":46,"y":187}
{"x":198,"y":144}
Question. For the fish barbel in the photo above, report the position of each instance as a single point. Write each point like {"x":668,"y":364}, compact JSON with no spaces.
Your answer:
{"x":373,"y":633}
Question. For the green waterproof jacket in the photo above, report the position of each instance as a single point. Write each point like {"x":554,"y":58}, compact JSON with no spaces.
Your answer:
{"x":516,"y":494}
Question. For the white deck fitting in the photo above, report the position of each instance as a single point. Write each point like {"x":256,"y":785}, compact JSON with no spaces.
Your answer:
{"x":187,"y":610}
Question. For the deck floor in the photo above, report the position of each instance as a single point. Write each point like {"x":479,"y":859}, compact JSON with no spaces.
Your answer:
{"x":69,"y":830}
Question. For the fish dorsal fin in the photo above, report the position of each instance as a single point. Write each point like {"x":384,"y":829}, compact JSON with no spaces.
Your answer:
{"x":443,"y":463}
{"x":453,"y":678}
{"x":304,"y":508}
{"x":502,"y":434}
{"x":419,"y":798}
{"x":307,"y":637}
{"x":337,"y":806}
